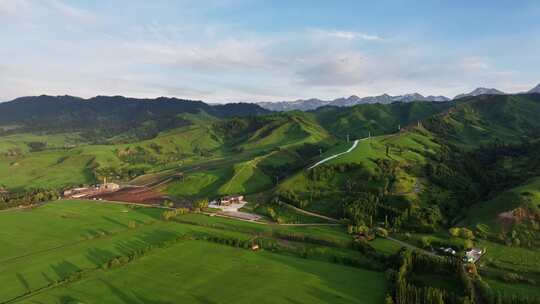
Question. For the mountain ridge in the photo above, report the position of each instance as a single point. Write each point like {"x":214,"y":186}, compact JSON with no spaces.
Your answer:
{"x":481,"y":91}
{"x":111,"y":114}
{"x":314,"y":103}
{"x":536,"y":89}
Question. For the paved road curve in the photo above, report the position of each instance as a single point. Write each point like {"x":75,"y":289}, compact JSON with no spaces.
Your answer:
{"x":355,"y":143}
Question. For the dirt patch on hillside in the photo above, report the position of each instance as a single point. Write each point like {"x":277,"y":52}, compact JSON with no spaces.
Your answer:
{"x":509,"y":218}
{"x":133,"y":195}
{"x":506,"y":220}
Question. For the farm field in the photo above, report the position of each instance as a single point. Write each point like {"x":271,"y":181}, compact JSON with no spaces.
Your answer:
{"x":200,"y":272}
{"x":335,"y":234}
{"x":73,"y":240}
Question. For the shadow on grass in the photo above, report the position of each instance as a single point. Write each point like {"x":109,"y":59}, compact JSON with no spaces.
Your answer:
{"x":153,"y":238}
{"x":99,"y":256}
{"x":338,"y":280}
{"x":23,"y":281}
{"x":133,"y":298}
{"x":114,"y":221}
{"x":65,"y":268}
{"x":153,"y":213}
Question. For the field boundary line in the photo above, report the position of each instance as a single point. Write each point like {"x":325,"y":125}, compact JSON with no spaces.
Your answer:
{"x":411,"y":246}
{"x":310,"y":213}
{"x":268,"y":223}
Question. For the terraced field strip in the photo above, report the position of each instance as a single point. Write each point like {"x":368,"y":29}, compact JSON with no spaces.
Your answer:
{"x":252,"y":163}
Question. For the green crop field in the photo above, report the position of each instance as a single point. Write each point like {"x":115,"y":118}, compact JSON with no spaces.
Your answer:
{"x":200,"y":272}
{"x":72,"y":240}
{"x":334,"y":234}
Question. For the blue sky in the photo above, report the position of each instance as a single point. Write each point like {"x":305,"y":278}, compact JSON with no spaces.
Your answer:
{"x":239,"y":50}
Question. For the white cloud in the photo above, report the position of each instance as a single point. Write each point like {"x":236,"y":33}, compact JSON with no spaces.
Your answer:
{"x":10,"y":7}
{"x":352,"y":35}
{"x":229,"y":54}
{"x":67,"y":10}
{"x":219,"y":62}
{"x":17,"y":9}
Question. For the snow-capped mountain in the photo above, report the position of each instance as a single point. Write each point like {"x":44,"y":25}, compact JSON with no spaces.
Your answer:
{"x":311,"y":104}
{"x":303,"y":105}
{"x":480,"y":91}
{"x":536,"y":89}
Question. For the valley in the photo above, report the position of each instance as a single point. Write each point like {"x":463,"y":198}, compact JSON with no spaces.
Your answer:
{"x":341,"y":198}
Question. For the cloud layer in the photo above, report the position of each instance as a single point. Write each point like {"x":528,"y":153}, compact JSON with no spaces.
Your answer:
{"x":55,"y":48}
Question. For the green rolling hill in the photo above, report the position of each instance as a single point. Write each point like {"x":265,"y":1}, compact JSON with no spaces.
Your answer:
{"x":432,"y":165}
{"x":471,"y":166}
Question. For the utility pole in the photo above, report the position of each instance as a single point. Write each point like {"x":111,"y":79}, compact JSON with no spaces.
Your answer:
{"x":399,"y":127}
{"x":320,"y":151}
{"x":347,"y":138}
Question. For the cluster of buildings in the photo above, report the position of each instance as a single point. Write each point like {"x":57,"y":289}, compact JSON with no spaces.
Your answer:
{"x":471,"y":255}
{"x":230,"y":200}
{"x":84,"y":192}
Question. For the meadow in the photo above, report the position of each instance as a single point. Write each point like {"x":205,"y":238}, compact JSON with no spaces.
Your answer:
{"x":200,"y":272}
{"x":61,"y":249}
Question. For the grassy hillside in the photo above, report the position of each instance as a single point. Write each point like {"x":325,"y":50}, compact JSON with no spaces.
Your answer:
{"x":378,"y":119}
{"x":437,"y":168}
{"x":104,"y":116}
{"x":476,"y":121}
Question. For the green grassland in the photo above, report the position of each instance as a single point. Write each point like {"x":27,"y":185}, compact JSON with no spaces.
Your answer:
{"x":19,"y":143}
{"x":46,"y":169}
{"x":332,"y":234}
{"x":200,"y":184}
{"x":213,"y":163}
{"x":73,"y":239}
{"x":222,"y":275}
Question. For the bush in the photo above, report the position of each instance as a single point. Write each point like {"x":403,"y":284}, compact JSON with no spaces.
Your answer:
{"x":168,"y":215}
{"x":201,"y":204}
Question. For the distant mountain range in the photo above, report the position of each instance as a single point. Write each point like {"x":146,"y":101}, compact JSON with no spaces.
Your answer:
{"x":111,"y":114}
{"x":536,"y":89}
{"x":314,"y":103}
{"x":480,"y":91}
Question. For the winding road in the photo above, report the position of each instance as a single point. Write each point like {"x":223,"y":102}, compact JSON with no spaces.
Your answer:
{"x":355,"y":143}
